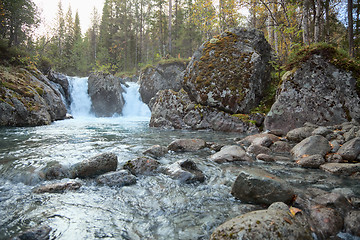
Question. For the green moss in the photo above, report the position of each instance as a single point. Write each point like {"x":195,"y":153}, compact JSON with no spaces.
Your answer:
{"x":39,"y":90}
{"x":244,"y":118}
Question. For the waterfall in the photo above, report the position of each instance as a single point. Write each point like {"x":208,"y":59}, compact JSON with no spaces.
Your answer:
{"x":80,"y":101}
{"x":134,"y":107}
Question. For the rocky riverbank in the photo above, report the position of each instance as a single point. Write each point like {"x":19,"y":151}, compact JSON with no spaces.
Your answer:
{"x":295,"y":212}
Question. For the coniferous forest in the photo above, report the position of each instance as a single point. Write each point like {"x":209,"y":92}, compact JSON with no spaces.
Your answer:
{"x":130,"y":34}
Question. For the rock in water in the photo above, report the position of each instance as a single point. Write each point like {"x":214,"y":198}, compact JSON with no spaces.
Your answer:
{"x":95,"y":166}
{"x":277,"y":222}
{"x":230,"y":153}
{"x":38,"y":233}
{"x":261,"y":187}
{"x":118,"y":178}
{"x":106,"y":96}
{"x":317,"y":92}
{"x":186,"y":145}
{"x":58,"y":187}
{"x":161,"y":77}
{"x":231,"y":71}
{"x":185,"y":171}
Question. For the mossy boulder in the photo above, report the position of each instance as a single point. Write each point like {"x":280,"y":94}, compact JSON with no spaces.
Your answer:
{"x":167,"y":75}
{"x":315,"y":90}
{"x":28,"y":98}
{"x":231,"y":71}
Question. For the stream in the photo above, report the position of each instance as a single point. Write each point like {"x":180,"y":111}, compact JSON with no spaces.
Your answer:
{"x":156,"y":207}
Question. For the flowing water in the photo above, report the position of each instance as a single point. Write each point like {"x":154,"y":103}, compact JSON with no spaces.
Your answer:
{"x":157,"y":207}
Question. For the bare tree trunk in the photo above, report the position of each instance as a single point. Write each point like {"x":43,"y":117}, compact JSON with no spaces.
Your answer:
{"x":170,"y":19}
{"x":351,"y":28}
{"x":305,"y":22}
{"x":327,"y":21}
{"x":317,"y":31}
{"x":276,"y":36}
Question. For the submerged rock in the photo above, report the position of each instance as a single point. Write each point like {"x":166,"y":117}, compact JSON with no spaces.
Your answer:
{"x":58,"y":187}
{"x":95,"y":166}
{"x":186,"y":171}
{"x":230,"y":154}
{"x":343,"y":169}
{"x":277,"y":222}
{"x":316,"y":92}
{"x":118,"y":178}
{"x":161,"y":77}
{"x":142,"y":166}
{"x":231,"y":71}
{"x":38,"y":233}
{"x":156,"y":151}
{"x":106,"y":96}
{"x":260,"y":187}
{"x":187,"y":145}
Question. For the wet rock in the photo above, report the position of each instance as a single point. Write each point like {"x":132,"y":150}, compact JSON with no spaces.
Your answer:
{"x":105,"y":92}
{"x":61,"y":80}
{"x":231,"y":72}
{"x":58,"y":187}
{"x":325,"y":221}
{"x":351,"y":223}
{"x":333,"y":158}
{"x":186,"y":171}
{"x":230,"y":153}
{"x":265,"y":157}
{"x":55,"y":171}
{"x":274,"y":223}
{"x":343,"y":169}
{"x":346,"y":192}
{"x":281,"y":147}
{"x":156,"y":151}
{"x":313,"y":161}
{"x":299,"y":134}
{"x":260,"y":187}
{"x":350,"y":150}
{"x":142,"y":166}
{"x":258,"y":149}
{"x":118,"y":178}
{"x":316,"y":92}
{"x":261,"y":137}
{"x":311,"y":146}
{"x":38,"y":233}
{"x":161,"y":77}
{"x":214,"y":146}
{"x":174,"y":110}
{"x":100,"y":164}
{"x":335,"y":201}
{"x":187,"y":145}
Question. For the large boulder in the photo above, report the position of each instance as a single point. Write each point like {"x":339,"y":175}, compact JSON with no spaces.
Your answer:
{"x":261,"y":187}
{"x":311,"y":146}
{"x":316,"y":92}
{"x":27,"y":98}
{"x":62,"y":84}
{"x":160,"y":77}
{"x":276,"y":222}
{"x":231,"y":71}
{"x":105,"y":92}
{"x":175,"y":110}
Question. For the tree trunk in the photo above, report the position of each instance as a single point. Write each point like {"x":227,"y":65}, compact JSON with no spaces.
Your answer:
{"x":350,"y":28}
{"x":327,"y":21}
{"x":170,"y":19}
{"x":305,"y":22}
{"x":317,"y":31}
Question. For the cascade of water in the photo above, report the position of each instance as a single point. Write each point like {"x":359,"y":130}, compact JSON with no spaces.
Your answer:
{"x":134,"y":107}
{"x":80,"y":101}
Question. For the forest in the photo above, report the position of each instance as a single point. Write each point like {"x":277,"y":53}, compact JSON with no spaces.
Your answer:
{"x":131,"y":34}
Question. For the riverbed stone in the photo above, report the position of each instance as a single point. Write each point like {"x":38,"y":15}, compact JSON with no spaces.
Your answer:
{"x":281,"y":147}
{"x":37,"y":233}
{"x":118,"y":179}
{"x":92,"y":167}
{"x":230,"y":153}
{"x":351,"y":223}
{"x":185,"y":171}
{"x":143,"y":166}
{"x":261,"y":187}
{"x":326,"y":222}
{"x":350,"y":150}
{"x":343,"y":169}
{"x":276,"y":222}
{"x":299,"y":134}
{"x":311,"y":146}
{"x":334,"y":200}
{"x":265,"y":157}
{"x":55,"y":171}
{"x":156,"y":151}
{"x":257,"y":149}
{"x":313,"y":161}
{"x":262,"y":137}
{"x":58,"y":187}
{"x":186,"y":145}
{"x":323,"y":131}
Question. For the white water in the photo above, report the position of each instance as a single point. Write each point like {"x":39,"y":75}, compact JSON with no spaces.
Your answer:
{"x":80,"y":100}
{"x":134,"y":107}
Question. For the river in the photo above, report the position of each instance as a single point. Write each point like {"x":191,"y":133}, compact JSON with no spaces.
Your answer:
{"x":156,"y":207}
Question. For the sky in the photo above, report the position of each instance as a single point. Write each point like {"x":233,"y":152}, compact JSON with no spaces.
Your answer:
{"x":48,"y":10}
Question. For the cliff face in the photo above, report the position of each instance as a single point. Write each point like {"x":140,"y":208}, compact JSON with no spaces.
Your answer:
{"x":28,"y":98}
